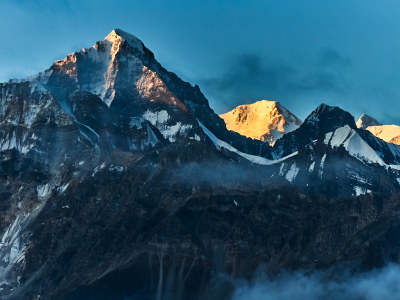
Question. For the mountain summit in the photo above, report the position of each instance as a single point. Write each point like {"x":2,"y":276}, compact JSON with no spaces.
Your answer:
{"x":388,"y":133}
{"x":263,"y":120}
{"x":118,"y":65}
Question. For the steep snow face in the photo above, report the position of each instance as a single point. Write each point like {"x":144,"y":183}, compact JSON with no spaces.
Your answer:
{"x":263,"y":120}
{"x":353,"y":143}
{"x":365,"y":121}
{"x":388,"y":133}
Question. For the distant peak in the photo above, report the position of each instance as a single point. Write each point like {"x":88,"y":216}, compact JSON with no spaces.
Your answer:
{"x":365,"y":121}
{"x":263,"y":120}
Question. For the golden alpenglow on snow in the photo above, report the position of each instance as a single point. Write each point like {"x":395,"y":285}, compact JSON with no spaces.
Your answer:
{"x":263,"y":120}
{"x":388,"y":133}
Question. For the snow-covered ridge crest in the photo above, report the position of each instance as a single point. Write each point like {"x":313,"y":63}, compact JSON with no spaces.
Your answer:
{"x":252,"y":158}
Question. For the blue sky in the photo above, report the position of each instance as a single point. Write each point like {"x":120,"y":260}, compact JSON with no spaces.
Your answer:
{"x":301,"y":53}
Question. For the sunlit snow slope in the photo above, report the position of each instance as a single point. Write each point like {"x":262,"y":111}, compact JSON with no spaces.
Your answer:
{"x":388,"y":133}
{"x":263,"y":120}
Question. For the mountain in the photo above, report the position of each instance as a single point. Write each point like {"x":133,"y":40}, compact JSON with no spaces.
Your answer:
{"x":388,"y":133}
{"x":263,"y":120}
{"x":365,"y":121}
{"x":118,"y":181}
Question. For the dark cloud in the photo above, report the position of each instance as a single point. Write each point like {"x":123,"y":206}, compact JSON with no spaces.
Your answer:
{"x":251,"y":77}
{"x":329,"y":57}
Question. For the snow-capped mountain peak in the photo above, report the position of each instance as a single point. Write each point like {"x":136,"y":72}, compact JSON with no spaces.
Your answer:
{"x":118,"y":65}
{"x":365,"y":121}
{"x":263,"y":120}
{"x":388,"y":133}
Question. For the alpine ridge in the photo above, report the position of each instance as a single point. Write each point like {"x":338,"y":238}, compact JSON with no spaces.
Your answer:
{"x":118,"y":180}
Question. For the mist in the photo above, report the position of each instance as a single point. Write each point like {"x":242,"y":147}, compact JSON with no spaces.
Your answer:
{"x":377,"y":284}
{"x":222,"y":173}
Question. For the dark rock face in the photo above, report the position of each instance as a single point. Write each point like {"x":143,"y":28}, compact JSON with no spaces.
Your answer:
{"x":145,"y":230}
{"x":322,"y":120}
{"x":110,"y":189}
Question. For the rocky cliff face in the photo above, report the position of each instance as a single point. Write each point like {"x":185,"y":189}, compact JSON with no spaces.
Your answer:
{"x":117,"y":180}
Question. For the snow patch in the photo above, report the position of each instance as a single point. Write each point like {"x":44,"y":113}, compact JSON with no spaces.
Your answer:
{"x":311,"y":168}
{"x":292,"y":173}
{"x":195,"y":137}
{"x":361,"y":191}
{"x":98,"y":168}
{"x":340,"y":135}
{"x":63,"y":188}
{"x":151,"y":140}
{"x":281,"y":169}
{"x":155,"y":118}
{"x":43,"y":190}
{"x":160,"y":119}
{"x":327,"y":138}
{"x":321,"y":166}
{"x":116,"y":168}
{"x":135,"y":122}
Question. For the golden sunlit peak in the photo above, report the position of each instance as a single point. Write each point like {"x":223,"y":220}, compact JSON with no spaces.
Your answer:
{"x":262,"y":120}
